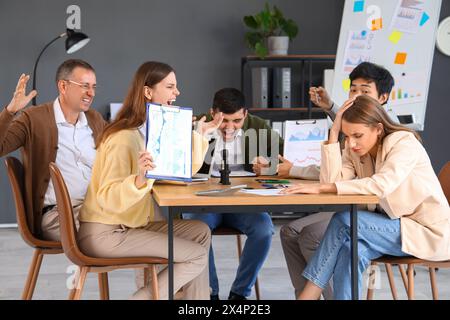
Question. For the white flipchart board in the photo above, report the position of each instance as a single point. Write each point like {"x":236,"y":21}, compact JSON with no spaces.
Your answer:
{"x":402,"y":41}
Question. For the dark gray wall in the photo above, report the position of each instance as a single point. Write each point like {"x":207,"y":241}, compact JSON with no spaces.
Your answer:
{"x":202,"y":39}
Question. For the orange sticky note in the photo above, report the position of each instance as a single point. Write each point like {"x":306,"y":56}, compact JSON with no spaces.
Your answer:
{"x":346,"y":84}
{"x":377,"y":24}
{"x":395,"y":36}
{"x":400,"y":58}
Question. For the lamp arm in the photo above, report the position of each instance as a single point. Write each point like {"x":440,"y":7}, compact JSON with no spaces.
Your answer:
{"x":37,"y":61}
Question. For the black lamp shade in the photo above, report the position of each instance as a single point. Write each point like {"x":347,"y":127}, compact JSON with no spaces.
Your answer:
{"x":75,"y":41}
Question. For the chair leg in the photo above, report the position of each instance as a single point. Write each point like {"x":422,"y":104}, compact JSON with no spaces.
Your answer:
{"x":410,"y":282}
{"x":103,"y":285}
{"x":155,"y":291}
{"x":239,"y":245}
{"x":404,"y":277}
{"x":434,"y":289}
{"x":33,"y":272}
{"x":80,"y":283}
{"x":390,"y":275}
{"x":146,"y":276}
{"x":370,"y":289}
{"x":257,"y":293}
{"x":71,"y":294}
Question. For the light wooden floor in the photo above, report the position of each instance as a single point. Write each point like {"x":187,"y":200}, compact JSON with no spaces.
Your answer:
{"x":275,"y":284}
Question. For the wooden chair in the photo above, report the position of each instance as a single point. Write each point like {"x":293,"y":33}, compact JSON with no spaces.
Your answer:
{"x":41,"y":247}
{"x":89,"y":264}
{"x":226,"y":231}
{"x":408,"y":277}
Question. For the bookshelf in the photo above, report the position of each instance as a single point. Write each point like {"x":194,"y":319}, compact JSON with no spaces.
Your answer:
{"x":305,"y":71}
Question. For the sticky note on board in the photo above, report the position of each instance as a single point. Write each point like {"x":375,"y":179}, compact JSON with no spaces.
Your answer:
{"x":400,"y":58}
{"x":346,"y":84}
{"x":358,"y":6}
{"x":377,"y":24}
{"x":424,"y":19}
{"x":395,"y":36}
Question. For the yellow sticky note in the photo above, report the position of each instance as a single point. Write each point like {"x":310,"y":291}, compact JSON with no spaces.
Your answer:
{"x":346,"y":84}
{"x":377,"y":24}
{"x":400,"y":58}
{"x":395,"y":36}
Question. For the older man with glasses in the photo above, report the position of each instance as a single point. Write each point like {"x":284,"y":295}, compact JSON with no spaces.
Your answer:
{"x":62,"y":131}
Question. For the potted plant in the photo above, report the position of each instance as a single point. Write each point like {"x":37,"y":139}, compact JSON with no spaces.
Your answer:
{"x":270,"y":33}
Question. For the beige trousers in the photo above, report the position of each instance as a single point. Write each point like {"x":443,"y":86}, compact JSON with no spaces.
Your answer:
{"x":50,"y":223}
{"x":191,"y":245}
{"x":300,"y":239}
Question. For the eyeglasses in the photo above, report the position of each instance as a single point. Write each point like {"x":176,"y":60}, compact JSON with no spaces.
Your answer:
{"x":85,"y":86}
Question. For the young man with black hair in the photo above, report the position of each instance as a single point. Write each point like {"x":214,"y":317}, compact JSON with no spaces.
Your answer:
{"x":300,"y":238}
{"x":252,"y":146}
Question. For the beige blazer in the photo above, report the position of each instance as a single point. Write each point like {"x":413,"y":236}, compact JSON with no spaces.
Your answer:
{"x":407,"y":186}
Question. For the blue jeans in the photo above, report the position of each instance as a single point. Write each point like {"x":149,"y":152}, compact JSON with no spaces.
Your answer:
{"x":258,"y":228}
{"x":377,"y":235}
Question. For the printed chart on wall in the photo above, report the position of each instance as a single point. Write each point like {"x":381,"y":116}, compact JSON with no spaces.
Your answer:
{"x":398,"y":35}
{"x":303,"y":139}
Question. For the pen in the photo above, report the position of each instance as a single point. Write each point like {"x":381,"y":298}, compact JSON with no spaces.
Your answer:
{"x":274,"y":186}
{"x":272,"y":181}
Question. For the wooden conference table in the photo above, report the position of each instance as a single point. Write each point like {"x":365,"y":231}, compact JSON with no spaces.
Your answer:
{"x":176,"y":199}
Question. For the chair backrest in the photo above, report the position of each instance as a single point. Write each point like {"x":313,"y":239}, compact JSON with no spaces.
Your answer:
{"x":444,"y":179}
{"x":67,"y":228}
{"x":16,"y":177}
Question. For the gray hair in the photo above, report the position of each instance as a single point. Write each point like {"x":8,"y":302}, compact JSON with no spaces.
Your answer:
{"x":67,"y":67}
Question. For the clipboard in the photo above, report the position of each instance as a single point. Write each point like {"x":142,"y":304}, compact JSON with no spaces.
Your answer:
{"x":169,"y":140}
{"x":303,"y":139}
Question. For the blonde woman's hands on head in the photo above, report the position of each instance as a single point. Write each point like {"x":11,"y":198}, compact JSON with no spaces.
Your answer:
{"x":284,"y":167}
{"x":311,"y":188}
{"x":319,"y":96}
{"x":204,"y":128}
{"x":20,"y":99}
{"x":145,"y":164}
{"x":258,"y":164}
{"x":337,"y":123}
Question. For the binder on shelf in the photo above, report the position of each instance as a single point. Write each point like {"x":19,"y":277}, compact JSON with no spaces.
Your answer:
{"x":260,"y":94}
{"x":281,"y":88}
{"x":328,"y":76}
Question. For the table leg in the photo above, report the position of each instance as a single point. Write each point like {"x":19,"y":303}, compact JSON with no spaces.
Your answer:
{"x":170,"y":236}
{"x":354,"y":250}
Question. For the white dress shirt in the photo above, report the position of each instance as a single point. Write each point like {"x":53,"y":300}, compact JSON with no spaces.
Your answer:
{"x":235,"y":157}
{"x":75,"y":156}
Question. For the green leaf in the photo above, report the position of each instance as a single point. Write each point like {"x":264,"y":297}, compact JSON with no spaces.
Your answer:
{"x":251,"y":22}
{"x":261,"y":50}
{"x":277,"y":14}
{"x":253,"y":38}
{"x":265,"y":21}
{"x":290,"y":28}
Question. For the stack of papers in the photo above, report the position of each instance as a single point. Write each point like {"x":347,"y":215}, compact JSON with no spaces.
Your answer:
{"x":263,"y":192}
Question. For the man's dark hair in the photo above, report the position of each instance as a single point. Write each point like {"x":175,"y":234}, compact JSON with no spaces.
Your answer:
{"x":228,"y":100}
{"x":66,"y":68}
{"x":372,"y":72}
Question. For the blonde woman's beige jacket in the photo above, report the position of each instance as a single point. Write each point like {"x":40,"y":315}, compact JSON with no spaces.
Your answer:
{"x":407,"y":186}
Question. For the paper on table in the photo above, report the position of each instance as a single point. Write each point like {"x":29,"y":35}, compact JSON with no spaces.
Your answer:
{"x":263,"y":192}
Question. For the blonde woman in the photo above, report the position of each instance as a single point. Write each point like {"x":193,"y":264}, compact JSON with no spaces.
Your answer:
{"x":388,"y":160}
